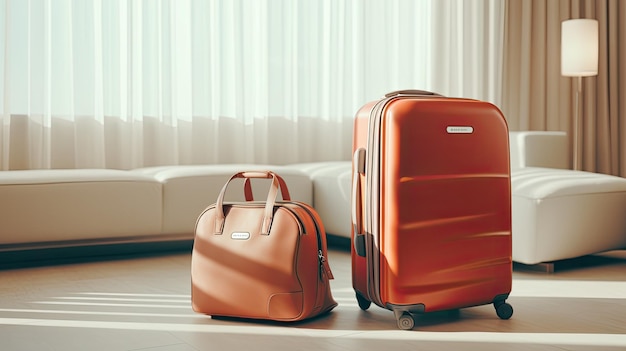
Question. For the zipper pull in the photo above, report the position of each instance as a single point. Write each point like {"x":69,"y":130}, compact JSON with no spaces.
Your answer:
{"x":324,"y":266}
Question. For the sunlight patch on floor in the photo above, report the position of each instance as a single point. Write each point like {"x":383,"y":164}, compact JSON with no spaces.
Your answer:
{"x":75,"y":303}
{"x":135,"y":294}
{"x":81,"y":298}
{"x":467,"y":337}
{"x":120,"y":300}
{"x":569,"y":289}
{"x":582,"y":289}
{"x":101,"y":313}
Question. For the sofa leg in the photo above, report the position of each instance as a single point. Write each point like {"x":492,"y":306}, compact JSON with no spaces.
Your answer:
{"x":544,"y":267}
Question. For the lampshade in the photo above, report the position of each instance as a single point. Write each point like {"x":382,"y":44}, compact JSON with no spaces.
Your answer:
{"x":579,"y":48}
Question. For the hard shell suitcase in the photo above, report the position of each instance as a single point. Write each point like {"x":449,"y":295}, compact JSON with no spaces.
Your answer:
{"x":431,"y":206}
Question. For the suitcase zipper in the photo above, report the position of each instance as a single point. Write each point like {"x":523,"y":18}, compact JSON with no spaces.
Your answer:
{"x":372,"y":202}
{"x":371,"y":224}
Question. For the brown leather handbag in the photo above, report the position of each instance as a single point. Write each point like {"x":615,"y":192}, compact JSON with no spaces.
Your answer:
{"x":260,"y":260}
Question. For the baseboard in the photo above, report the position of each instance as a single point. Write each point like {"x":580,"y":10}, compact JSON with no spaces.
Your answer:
{"x":338,"y":242}
{"x":47,"y":256}
{"x":587,"y":261}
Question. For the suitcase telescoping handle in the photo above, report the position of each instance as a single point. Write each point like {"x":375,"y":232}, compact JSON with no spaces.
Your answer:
{"x":411,"y":92}
{"x":277,"y":183}
{"x":358,"y":169}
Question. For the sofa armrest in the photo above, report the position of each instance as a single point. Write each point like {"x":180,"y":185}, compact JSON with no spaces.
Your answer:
{"x":539,"y":149}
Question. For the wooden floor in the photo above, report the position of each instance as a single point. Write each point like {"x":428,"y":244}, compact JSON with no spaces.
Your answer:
{"x":143,"y":303}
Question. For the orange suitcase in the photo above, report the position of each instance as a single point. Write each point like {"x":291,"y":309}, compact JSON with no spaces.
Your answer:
{"x":431,"y":206}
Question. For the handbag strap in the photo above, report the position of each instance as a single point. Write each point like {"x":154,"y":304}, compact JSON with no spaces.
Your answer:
{"x":268,"y":214}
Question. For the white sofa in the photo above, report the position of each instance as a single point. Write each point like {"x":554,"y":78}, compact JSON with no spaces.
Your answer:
{"x":556,"y":213}
{"x":559,"y":213}
{"x":50,"y":214}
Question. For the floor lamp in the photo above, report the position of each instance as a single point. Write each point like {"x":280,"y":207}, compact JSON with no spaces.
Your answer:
{"x":579,"y":58}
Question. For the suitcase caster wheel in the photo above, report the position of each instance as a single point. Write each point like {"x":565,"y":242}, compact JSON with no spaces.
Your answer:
{"x":364,"y":304}
{"x":406,"y":321}
{"x":504,"y":310}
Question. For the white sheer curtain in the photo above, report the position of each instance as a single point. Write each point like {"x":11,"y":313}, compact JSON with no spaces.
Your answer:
{"x":126,"y":84}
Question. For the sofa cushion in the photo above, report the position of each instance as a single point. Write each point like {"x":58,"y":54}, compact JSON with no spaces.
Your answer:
{"x":51,"y":206}
{"x":561,"y":214}
{"x":538,"y":149}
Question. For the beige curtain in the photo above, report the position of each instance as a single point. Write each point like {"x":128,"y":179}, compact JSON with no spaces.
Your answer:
{"x":536,"y":97}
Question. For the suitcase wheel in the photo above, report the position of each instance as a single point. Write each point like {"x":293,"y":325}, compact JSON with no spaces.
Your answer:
{"x":503,"y":310}
{"x":364,"y":303}
{"x":406,"y":321}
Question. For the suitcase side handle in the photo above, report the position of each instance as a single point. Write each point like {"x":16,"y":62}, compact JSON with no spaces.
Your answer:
{"x":411,"y":92}
{"x":358,"y":169}
{"x":268,"y":214}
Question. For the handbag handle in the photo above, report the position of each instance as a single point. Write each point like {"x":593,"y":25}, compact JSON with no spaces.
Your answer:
{"x":268,"y":214}
{"x":249,"y":196}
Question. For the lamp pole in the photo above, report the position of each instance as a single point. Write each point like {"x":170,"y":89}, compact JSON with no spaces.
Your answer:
{"x":579,"y":90}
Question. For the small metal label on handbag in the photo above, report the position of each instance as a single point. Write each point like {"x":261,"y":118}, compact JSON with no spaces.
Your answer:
{"x":240,"y":236}
{"x":460,"y":129}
